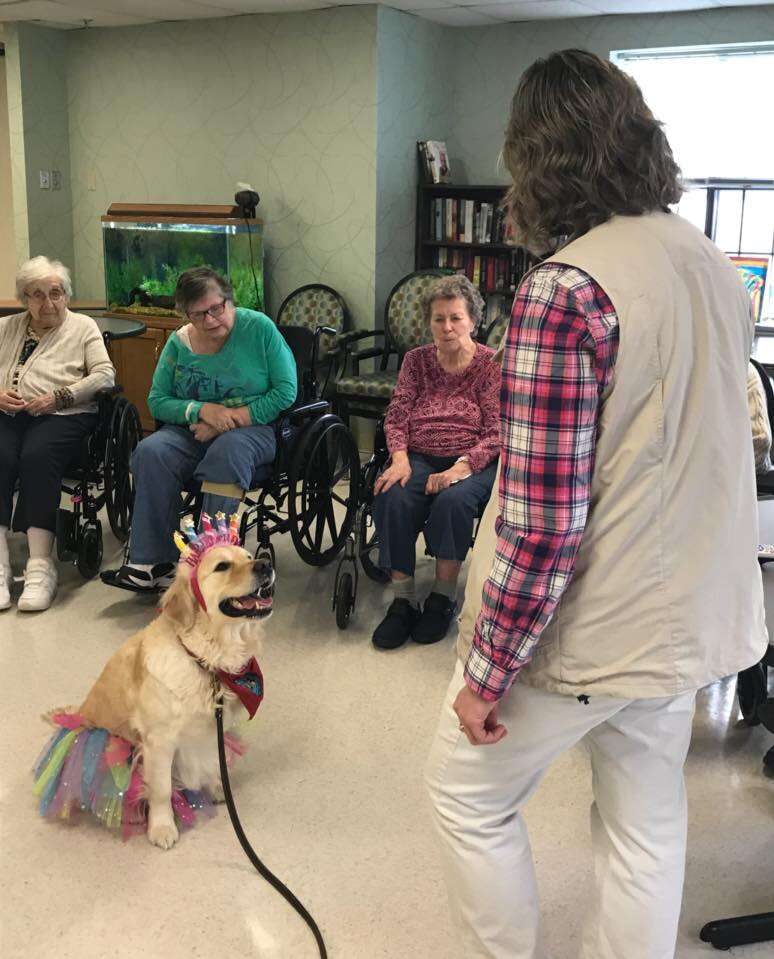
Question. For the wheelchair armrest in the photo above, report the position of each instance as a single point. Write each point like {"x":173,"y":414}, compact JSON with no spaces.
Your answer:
{"x":307,"y":409}
{"x":107,"y":392}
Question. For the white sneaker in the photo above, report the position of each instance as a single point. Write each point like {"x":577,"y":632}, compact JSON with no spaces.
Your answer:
{"x":40,"y":580}
{"x":5,"y":586}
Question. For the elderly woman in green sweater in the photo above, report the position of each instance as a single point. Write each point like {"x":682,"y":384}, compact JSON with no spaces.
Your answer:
{"x":221,"y":381}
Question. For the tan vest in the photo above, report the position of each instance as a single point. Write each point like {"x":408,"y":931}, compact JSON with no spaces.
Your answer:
{"x":667,"y":593}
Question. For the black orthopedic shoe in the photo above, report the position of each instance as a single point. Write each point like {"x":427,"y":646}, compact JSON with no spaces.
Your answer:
{"x":139,"y":580}
{"x":396,"y":627}
{"x":437,"y":614}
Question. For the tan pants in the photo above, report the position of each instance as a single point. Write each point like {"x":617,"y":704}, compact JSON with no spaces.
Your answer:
{"x":638,"y":820}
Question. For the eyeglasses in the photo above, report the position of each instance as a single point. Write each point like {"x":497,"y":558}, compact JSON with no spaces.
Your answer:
{"x":39,"y":296}
{"x":215,"y":311}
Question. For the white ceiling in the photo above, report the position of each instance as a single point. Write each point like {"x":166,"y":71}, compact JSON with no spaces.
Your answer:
{"x":72,"y":14}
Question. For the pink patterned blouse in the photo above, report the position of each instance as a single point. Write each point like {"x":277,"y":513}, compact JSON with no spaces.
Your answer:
{"x":446,"y":414}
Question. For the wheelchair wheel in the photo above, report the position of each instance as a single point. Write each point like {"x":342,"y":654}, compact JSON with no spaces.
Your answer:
{"x":345,"y":600}
{"x":125,"y":433}
{"x":89,"y":558}
{"x":752,"y":692}
{"x":368,"y":547}
{"x":324,"y":471}
{"x":65,"y":535}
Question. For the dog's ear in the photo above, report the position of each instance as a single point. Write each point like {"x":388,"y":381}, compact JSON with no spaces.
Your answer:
{"x":179,"y":602}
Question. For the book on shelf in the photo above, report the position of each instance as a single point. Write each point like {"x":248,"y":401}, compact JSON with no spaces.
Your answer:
{"x":457,"y":220}
{"x":435,"y":161}
{"x":491,"y":273}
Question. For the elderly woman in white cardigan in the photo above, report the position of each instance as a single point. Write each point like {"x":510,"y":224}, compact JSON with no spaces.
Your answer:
{"x":52,"y":362}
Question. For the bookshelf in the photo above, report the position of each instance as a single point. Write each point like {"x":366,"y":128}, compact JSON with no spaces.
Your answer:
{"x":462,"y":227}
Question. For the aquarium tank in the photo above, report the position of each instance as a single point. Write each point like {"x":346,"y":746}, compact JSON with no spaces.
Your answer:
{"x":145,"y":256}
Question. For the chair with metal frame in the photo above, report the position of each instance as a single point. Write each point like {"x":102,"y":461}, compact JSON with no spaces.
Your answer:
{"x":367,"y":394}
{"x":312,"y":319}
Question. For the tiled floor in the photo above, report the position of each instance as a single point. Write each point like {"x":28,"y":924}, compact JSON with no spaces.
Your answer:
{"x":330,"y":794}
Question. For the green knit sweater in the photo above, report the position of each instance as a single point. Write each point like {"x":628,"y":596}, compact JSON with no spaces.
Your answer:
{"x":255,"y":368}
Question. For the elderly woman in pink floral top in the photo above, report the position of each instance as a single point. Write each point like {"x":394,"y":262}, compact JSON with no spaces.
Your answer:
{"x":442,"y":434}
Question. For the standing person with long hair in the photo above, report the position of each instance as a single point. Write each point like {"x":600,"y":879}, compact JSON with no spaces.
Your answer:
{"x":601,"y":594}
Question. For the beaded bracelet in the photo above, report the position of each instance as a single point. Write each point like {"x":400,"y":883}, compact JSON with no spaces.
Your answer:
{"x":63,"y":398}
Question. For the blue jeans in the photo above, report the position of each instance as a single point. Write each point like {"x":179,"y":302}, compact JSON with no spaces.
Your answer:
{"x":446,"y":518}
{"x":171,"y":459}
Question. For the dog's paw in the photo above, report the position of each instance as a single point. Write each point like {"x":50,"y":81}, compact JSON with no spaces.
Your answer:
{"x":216,"y":791}
{"x":163,"y":834}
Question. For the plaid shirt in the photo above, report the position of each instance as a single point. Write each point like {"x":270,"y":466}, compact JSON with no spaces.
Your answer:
{"x":560,"y":351}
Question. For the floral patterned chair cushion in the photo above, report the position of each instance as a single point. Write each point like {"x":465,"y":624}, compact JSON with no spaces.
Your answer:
{"x":313,"y":306}
{"x":496,"y":332}
{"x":406,"y":324}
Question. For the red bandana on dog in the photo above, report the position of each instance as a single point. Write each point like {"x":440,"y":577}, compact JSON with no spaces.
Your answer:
{"x":247,"y":684}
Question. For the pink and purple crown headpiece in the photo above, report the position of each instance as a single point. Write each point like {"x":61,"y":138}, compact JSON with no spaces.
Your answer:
{"x":193,"y":545}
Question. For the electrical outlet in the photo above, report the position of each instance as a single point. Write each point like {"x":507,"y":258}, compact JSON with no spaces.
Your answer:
{"x":45,"y":180}
{"x":56,"y":179}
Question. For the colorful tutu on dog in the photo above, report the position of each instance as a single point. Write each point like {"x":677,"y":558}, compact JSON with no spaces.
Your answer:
{"x":87,"y":771}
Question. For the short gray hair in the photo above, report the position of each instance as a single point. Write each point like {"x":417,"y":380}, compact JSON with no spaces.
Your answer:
{"x":195,"y":283}
{"x":451,"y":287}
{"x":41,"y":268}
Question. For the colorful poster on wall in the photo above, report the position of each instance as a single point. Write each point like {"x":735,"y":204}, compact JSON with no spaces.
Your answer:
{"x":753,"y":270}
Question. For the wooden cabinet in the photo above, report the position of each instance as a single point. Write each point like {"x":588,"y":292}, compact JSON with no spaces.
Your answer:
{"x":135,"y":361}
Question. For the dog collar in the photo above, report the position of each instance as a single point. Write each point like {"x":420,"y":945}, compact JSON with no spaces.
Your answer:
{"x":247,"y":684}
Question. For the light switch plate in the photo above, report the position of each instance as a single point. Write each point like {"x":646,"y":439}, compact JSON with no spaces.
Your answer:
{"x":56,"y":179}
{"x":45,"y":180}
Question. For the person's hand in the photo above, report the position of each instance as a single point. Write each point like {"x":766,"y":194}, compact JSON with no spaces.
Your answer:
{"x":399,"y":471}
{"x":11,"y":402}
{"x":41,"y":404}
{"x":203,"y":432}
{"x":439,"y":481}
{"x":219,"y":417}
{"x":241,"y":416}
{"x":478,"y":718}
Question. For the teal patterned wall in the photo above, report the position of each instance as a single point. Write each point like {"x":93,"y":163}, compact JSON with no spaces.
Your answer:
{"x":36,"y":66}
{"x":179,"y":112}
{"x":319,"y":110}
{"x":414,"y":102}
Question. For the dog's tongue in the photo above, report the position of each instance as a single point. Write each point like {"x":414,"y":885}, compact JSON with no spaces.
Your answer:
{"x":248,"y":602}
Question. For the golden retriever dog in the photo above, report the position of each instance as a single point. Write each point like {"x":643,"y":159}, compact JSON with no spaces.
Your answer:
{"x":160,"y":688}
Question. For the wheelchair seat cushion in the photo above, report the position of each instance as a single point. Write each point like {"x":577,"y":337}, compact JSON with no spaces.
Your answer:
{"x":379,"y":385}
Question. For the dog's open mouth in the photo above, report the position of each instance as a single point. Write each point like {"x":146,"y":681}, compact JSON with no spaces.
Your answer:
{"x":254,"y":605}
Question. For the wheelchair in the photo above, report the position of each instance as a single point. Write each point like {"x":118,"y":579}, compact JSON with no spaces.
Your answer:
{"x":100,"y":477}
{"x":311,"y":488}
{"x":362,"y":543}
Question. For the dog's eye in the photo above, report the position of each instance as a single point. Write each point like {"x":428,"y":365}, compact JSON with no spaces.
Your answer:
{"x":222,"y":567}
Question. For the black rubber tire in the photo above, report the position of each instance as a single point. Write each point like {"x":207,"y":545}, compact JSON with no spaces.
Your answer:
{"x":65,"y":535}
{"x":751,"y":692}
{"x":345,"y":600}
{"x":125,"y":433}
{"x":368,"y":547}
{"x":272,"y":554}
{"x":324,"y":457}
{"x":89,"y":558}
